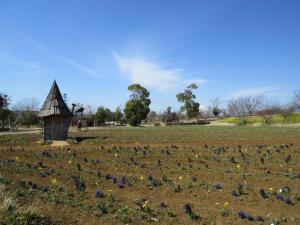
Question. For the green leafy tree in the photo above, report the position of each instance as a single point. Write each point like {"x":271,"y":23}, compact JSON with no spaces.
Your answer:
{"x":216,"y":111}
{"x":110,"y":116}
{"x":137,"y":108}
{"x":118,"y":115}
{"x":188,"y":99}
{"x":4,"y":110}
{"x":103,"y":115}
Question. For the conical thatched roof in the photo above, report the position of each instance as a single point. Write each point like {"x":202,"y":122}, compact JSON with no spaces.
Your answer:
{"x":54,"y":104}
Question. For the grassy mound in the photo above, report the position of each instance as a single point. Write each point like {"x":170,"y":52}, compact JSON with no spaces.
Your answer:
{"x":277,"y":118}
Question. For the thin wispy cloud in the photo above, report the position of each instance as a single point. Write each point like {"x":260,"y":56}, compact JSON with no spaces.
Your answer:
{"x":196,"y":81}
{"x":65,"y":60}
{"x":18,"y":62}
{"x":76,"y":65}
{"x":263,"y":90}
{"x":150,"y":73}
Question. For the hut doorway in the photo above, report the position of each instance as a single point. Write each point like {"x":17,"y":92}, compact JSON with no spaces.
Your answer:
{"x":56,"y":128}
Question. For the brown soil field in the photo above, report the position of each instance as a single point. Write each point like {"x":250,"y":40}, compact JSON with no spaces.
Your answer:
{"x":160,"y":175}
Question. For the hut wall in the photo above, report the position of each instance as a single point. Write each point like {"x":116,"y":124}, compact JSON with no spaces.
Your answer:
{"x":56,"y":128}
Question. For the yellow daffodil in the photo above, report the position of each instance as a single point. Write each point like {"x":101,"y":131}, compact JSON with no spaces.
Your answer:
{"x":238,"y":166}
{"x":271,"y":189}
{"x":70,"y":161}
{"x":180,"y":178}
{"x":142,"y":178}
{"x":116,"y":155}
{"x":53,"y":181}
{"x":197,"y":156}
{"x":290,"y":169}
{"x":17,"y":158}
{"x":226,"y":204}
{"x":146,"y":205}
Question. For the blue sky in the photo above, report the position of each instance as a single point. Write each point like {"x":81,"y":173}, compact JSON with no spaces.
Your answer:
{"x":95,"y":49}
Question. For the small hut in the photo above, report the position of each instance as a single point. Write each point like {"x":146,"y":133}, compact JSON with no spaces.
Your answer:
{"x":55,"y":116}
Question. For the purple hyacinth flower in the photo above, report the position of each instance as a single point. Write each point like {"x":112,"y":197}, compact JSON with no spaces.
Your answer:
{"x":287,"y":159}
{"x":120,"y":185}
{"x":150,"y":177}
{"x":217,"y":186}
{"x":288,"y":201}
{"x":188,"y":208}
{"x":114,"y":179}
{"x":241,"y":214}
{"x":123,"y":179}
{"x":234,"y":193}
{"x":259,"y":218}
{"x":34,"y":186}
{"x":280,"y":197}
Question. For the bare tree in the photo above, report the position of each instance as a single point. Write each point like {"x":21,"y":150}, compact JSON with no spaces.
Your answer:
{"x":297,"y":98}
{"x":28,"y":107}
{"x":152,"y":117}
{"x":286,"y":111}
{"x":252,"y":103}
{"x":268,"y":109}
{"x":243,"y":107}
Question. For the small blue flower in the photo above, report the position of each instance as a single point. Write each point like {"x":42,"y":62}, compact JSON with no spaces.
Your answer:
{"x":99,"y":193}
{"x":154,"y":183}
{"x":114,"y":179}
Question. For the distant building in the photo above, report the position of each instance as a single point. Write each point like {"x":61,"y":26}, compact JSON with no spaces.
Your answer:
{"x":55,"y":116}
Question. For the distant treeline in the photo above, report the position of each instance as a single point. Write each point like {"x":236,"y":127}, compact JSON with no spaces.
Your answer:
{"x":241,"y":110}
